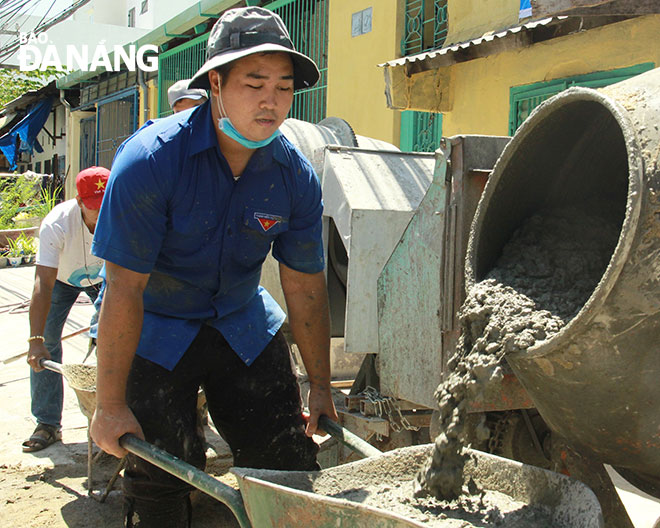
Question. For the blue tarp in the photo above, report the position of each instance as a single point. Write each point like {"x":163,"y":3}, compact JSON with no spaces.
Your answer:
{"x":525,"y":9}
{"x":26,"y":131}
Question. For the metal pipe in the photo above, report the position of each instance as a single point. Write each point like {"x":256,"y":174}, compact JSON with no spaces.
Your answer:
{"x":361,"y":447}
{"x":145,"y":95}
{"x":190,"y":474}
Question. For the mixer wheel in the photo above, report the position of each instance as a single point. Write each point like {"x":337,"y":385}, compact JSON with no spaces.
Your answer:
{"x":515,"y":439}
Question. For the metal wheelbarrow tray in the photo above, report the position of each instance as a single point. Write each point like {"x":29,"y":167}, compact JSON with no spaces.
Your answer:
{"x":297,"y":498}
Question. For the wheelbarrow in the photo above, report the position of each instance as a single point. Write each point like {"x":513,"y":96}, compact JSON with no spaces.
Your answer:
{"x":82,"y":379}
{"x":267,"y":498}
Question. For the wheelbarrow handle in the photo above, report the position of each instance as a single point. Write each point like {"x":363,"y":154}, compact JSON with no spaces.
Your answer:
{"x":51,"y":365}
{"x":202,"y":481}
{"x":361,"y":447}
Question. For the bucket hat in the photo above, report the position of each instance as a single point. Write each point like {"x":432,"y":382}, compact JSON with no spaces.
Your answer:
{"x":243,"y":31}
{"x":180,"y":90}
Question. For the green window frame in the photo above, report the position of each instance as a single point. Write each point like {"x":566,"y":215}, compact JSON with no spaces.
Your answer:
{"x":179,"y":63}
{"x":425,"y":26}
{"x":420,"y":131}
{"x":523,"y":99}
{"x":307,"y":22}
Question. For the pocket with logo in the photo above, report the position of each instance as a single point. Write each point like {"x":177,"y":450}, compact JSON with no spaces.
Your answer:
{"x":257,"y":232}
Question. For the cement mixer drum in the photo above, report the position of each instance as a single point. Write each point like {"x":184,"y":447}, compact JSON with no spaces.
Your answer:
{"x":596,"y":381}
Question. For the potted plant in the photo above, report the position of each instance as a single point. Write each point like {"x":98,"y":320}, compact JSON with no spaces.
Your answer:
{"x":28,"y":245}
{"x":14,"y":253}
{"x":3,"y":256}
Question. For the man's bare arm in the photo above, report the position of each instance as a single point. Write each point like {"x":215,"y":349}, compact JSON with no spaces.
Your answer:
{"x":44,"y":281}
{"x":307,"y":305}
{"x":120,"y":325}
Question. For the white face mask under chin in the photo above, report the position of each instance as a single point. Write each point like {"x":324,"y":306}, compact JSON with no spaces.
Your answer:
{"x":227,"y":127}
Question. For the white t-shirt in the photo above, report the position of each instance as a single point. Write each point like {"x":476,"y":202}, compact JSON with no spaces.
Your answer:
{"x":65,"y":243}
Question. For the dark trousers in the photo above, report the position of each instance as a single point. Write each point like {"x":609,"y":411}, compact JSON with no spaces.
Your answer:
{"x":257,"y":410}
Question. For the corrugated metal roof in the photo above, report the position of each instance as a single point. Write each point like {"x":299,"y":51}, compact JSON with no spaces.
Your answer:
{"x":507,"y":33}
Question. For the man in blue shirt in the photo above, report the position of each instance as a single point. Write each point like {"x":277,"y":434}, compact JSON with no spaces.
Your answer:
{"x":193,"y":206}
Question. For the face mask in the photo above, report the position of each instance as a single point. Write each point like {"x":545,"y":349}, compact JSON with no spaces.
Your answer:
{"x":226,"y":126}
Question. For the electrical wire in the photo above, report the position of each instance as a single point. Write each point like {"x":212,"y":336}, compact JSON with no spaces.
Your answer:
{"x":9,"y":49}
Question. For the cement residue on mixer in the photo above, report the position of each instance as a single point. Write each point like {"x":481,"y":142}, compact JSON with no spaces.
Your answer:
{"x":544,"y":276}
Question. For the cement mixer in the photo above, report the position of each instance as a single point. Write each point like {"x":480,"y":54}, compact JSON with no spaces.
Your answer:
{"x":595,"y":383}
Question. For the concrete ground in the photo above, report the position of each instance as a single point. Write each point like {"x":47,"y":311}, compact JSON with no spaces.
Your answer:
{"x":23,"y":471}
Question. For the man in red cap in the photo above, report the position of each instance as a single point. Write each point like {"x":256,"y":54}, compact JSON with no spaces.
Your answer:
{"x":65,"y":268}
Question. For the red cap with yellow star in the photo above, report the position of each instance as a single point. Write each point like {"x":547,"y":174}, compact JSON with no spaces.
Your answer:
{"x":90,"y":184}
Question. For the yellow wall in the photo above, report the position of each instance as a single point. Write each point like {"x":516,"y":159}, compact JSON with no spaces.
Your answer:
{"x":470,"y":19}
{"x":355,"y":82}
{"x":479,"y":90}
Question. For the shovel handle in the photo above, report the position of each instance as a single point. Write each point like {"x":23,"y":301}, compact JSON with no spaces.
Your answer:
{"x":23,"y":354}
{"x":229,"y":496}
{"x":361,"y":447}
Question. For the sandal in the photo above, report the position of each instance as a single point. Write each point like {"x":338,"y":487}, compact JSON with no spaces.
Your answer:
{"x":43,"y":436}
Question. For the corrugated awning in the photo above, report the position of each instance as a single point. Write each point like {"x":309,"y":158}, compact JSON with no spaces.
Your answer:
{"x":471,"y":45}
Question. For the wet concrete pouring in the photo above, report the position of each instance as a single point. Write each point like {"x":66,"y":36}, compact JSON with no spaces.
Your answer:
{"x":544,"y":276}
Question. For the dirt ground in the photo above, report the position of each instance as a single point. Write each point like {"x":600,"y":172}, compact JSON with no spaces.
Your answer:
{"x":45,"y":496}
{"x":48,"y":489}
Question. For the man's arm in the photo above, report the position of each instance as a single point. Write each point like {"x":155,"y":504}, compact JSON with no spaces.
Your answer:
{"x":120,"y":325}
{"x":307,"y":305}
{"x":44,"y":280}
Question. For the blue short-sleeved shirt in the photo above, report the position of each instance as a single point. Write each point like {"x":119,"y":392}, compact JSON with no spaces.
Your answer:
{"x":173,"y":209}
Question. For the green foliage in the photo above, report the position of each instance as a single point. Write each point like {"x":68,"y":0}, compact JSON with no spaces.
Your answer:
{"x":48,"y":198}
{"x":26,"y":243}
{"x":21,"y":194}
{"x":14,"y":83}
{"x":15,"y":250}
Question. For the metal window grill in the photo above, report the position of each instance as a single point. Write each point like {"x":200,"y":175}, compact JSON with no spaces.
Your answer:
{"x":425,"y":26}
{"x":307,"y":22}
{"x":524,"y":99}
{"x":180,"y":63}
{"x":116,"y":120}
{"x":420,"y":131}
{"x":87,"y":142}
